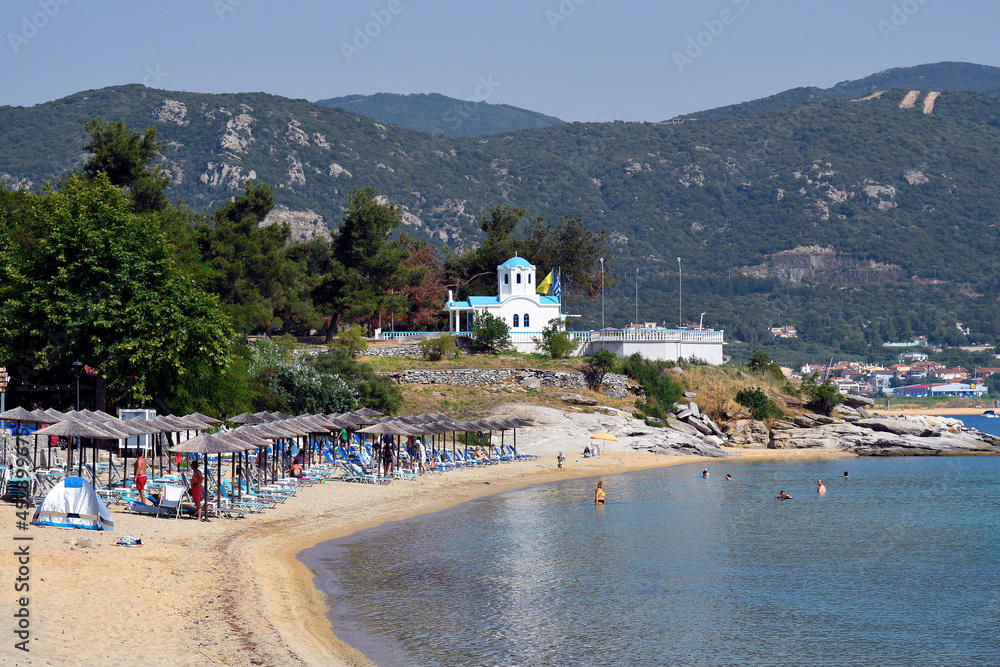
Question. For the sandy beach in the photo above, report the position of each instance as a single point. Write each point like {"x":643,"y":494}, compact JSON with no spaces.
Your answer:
{"x":231,"y":592}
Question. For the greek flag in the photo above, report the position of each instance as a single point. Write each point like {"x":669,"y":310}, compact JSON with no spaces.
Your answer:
{"x":557,"y":288}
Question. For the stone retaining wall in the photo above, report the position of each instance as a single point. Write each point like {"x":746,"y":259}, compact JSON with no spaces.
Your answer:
{"x":412,"y":350}
{"x":615,"y":386}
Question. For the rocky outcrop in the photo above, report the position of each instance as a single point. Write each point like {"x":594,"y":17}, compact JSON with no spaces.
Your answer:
{"x":887,"y":437}
{"x":747,"y":433}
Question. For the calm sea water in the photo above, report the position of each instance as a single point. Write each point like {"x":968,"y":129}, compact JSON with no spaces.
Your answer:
{"x":897,"y":565}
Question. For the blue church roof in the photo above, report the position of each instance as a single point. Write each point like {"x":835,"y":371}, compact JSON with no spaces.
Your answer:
{"x":517,"y":261}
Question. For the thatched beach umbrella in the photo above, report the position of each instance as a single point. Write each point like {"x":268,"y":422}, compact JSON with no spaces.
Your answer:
{"x":209,"y":443}
{"x":19,"y":416}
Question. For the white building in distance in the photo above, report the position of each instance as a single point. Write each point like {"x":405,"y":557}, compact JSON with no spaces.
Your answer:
{"x":516,"y":303}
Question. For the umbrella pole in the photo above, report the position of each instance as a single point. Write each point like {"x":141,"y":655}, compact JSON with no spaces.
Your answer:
{"x":218,"y":470}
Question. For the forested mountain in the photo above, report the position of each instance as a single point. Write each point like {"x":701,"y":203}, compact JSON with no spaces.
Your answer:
{"x":439,"y":114}
{"x":967,"y":77}
{"x":856,"y":220}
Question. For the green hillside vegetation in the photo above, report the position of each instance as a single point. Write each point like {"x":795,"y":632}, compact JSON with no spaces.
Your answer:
{"x":439,"y":114}
{"x":903,"y":203}
{"x":952,"y":76}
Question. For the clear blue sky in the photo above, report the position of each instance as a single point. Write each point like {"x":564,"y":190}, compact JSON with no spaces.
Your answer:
{"x":575,"y":59}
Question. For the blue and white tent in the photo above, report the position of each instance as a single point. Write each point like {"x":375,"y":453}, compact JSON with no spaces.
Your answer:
{"x":72,"y":503}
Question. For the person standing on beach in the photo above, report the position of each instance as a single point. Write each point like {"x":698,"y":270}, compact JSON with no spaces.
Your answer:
{"x":822,"y":489}
{"x":196,"y":487}
{"x":560,"y":460}
{"x":599,"y":495}
{"x":140,"y":477}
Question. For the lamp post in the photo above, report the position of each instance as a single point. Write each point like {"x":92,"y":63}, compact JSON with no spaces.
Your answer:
{"x":4,"y":377}
{"x":680,"y":294}
{"x":700,"y":320}
{"x":602,"y":293}
{"x":77,"y":368}
{"x":637,"y":296}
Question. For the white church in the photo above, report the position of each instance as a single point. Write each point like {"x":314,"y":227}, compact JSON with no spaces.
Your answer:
{"x":526,"y":313}
{"x":516,"y":303}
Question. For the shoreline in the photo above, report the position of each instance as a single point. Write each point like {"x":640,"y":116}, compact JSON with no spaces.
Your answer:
{"x":234,"y":591}
{"x":304,"y":577}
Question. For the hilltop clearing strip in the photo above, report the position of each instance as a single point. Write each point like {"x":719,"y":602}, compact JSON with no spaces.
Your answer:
{"x":909,"y":100}
{"x":929,"y":101}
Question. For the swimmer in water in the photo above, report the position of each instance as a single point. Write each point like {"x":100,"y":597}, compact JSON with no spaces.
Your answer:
{"x":822,"y":489}
{"x":704,"y":473}
{"x":599,"y":495}
{"x":729,"y":477}
{"x":846,"y":476}
{"x":782,"y":496}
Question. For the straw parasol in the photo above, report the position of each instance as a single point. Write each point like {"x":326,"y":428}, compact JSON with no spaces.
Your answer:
{"x":368,"y":412}
{"x":210,"y":443}
{"x":386,"y":428}
{"x":211,"y":421}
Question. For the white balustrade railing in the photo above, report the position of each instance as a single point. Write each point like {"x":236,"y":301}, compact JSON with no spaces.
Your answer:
{"x":649,"y":336}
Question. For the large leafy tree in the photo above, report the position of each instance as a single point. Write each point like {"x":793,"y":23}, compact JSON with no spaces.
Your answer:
{"x":262,"y":286}
{"x":366,"y":271}
{"x":475,"y":271}
{"x":127,"y":158}
{"x":573,"y":248}
{"x":84,"y":278}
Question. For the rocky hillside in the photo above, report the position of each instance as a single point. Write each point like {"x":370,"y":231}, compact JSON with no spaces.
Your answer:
{"x":439,"y":114}
{"x":895,"y":188}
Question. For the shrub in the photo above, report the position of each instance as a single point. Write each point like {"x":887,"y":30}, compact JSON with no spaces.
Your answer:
{"x":352,"y":340}
{"x":823,"y":396}
{"x":439,"y":347}
{"x":490,"y":333}
{"x":555,"y":342}
{"x":662,"y":390}
{"x":758,"y":361}
{"x":759,"y":403}
{"x":774,"y":372}
{"x":597,"y":367}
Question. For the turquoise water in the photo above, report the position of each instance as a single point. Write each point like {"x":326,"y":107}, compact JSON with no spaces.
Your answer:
{"x":895,"y":566}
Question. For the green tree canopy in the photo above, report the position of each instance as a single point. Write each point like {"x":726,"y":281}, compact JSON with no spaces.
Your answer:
{"x":366,"y":272}
{"x":86,"y":279}
{"x":260,"y":283}
{"x":127,"y":158}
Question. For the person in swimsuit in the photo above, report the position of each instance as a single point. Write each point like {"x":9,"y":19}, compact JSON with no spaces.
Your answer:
{"x":560,"y":460}
{"x":822,"y":489}
{"x":782,"y":496}
{"x":599,"y":495}
{"x":296,"y":470}
{"x":704,"y":473}
{"x":729,"y":477}
{"x":846,"y":476}
{"x":196,"y":487}
{"x":140,"y":478}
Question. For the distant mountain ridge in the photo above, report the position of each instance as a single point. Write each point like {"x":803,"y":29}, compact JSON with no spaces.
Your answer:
{"x":440,"y":114}
{"x":831,"y":215}
{"x":956,"y":76}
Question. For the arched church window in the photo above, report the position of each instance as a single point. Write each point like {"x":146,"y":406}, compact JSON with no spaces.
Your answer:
{"x":506,"y":279}
{"x":519,"y":279}
{"x":515,"y":321}
{"x":525,"y":319}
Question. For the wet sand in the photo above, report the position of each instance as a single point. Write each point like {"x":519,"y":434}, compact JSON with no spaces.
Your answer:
{"x":232,"y":592}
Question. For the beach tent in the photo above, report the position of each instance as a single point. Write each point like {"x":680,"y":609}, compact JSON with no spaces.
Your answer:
{"x":72,"y":503}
